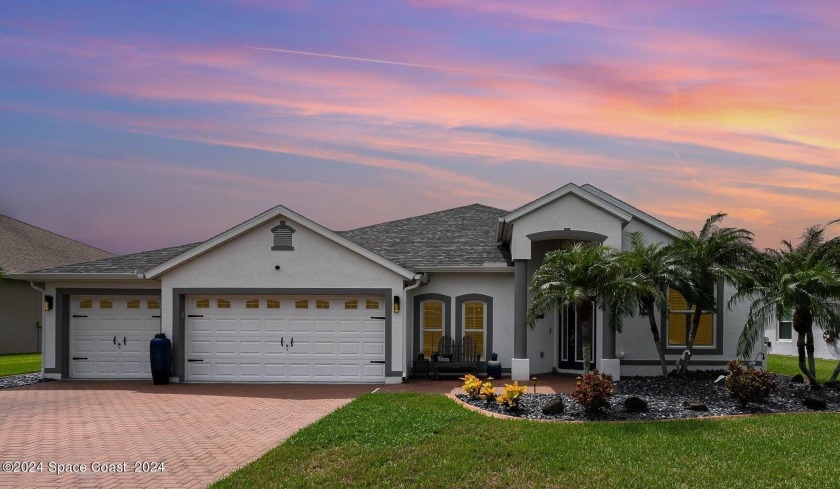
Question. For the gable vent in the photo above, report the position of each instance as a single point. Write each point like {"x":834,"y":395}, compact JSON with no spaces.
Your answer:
{"x":282,"y":236}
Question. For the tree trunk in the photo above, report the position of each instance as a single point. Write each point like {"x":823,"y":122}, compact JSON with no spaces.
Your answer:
{"x":689,"y":342}
{"x":809,"y":350}
{"x":800,"y":349}
{"x":585,"y":315}
{"x":803,"y":323}
{"x":654,"y":329}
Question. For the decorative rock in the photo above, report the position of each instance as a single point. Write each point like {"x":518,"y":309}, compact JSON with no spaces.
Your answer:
{"x":814,"y":403}
{"x":797,"y":379}
{"x":19,"y":380}
{"x":695,"y":406}
{"x":833,"y":384}
{"x":554,"y":406}
{"x":635,"y":404}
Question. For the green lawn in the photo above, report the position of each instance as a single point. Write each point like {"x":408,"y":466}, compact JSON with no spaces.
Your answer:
{"x":19,"y":364}
{"x":789,"y":365}
{"x":423,"y":440}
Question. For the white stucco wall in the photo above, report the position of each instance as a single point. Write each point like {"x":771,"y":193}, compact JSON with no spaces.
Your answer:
{"x":49,"y":332}
{"x":498,"y":286}
{"x":788,"y":347}
{"x":248,"y":262}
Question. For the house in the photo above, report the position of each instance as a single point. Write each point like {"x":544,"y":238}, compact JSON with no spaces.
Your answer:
{"x":280,"y":298}
{"x":782,"y":339}
{"x":24,"y":247}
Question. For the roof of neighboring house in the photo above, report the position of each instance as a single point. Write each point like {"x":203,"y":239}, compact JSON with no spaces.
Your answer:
{"x":125,"y":264}
{"x":24,"y":247}
{"x":463,"y":236}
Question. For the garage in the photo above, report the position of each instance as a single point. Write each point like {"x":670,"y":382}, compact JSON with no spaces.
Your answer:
{"x":301,"y":338}
{"x":109,"y":336}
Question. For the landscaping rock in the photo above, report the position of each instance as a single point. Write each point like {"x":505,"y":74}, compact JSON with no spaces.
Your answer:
{"x":635,"y":404}
{"x":814,"y":403}
{"x":20,"y":380}
{"x":695,"y":406}
{"x":797,"y":379}
{"x":554,"y":406}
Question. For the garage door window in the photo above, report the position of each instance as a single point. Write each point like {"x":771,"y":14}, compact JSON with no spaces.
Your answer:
{"x":133,"y":304}
{"x":354,"y":304}
{"x":153,"y":304}
{"x":302,"y":304}
{"x":222,"y":304}
{"x":106,"y":304}
{"x":252,"y":304}
{"x":202,"y":304}
{"x":371,"y":304}
{"x":272,"y":304}
{"x":431,"y":318}
{"x":322,"y":304}
{"x":85,"y":304}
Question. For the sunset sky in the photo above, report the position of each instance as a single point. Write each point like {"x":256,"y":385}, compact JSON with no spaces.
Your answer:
{"x":139,"y":125}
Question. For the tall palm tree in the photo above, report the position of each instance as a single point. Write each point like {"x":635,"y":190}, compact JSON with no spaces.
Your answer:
{"x":714,"y":254}
{"x":582,"y":275}
{"x":804,"y":279}
{"x":661,"y":266}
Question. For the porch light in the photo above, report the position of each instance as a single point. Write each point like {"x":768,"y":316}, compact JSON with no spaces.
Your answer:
{"x":396,"y":304}
{"x":48,"y":302}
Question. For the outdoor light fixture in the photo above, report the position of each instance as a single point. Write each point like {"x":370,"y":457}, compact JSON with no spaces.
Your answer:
{"x":396,"y":304}
{"x":48,"y":302}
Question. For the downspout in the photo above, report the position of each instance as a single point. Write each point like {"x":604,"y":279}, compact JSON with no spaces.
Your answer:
{"x":419,"y":279}
{"x":41,"y":333}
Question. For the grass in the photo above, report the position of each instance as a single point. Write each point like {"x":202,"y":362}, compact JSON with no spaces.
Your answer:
{"x":789,"y":365}
{"x":423,"y":440}
{"x":19,"y":363}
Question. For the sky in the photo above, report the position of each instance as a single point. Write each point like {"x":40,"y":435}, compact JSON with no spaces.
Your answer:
{"x":133,"y":126}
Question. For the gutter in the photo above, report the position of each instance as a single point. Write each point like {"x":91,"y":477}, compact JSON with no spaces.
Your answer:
{"x":419,"y":279}
{"x":75,"y":276}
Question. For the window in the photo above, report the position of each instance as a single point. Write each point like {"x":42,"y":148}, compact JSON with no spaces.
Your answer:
{"x":282,"y":236}
{"x":431,"y":320}
{"x":222,"y":304}
{"x":133,"y":304}
{"x":302,"y":304}
{"x":153,"y":304}
{"x":103,"y":304}
{"x":252,"y":304}
{"x":272,"y":304}
{"x":85,"y":304}
{"x":371,"y":304}
{"x":354,"y":304}
{"x":785,"y":326}
{"x":322,"y":304}
{"x":474,"y":321}
{"x":202,"y":304}
{"x":679,"y":323}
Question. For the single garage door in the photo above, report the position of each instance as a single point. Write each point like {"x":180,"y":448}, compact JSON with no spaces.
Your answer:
{"x":285,"y":338}
{"x":109,"y":336}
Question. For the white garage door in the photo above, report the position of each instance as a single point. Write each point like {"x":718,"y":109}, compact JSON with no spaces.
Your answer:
{"x":109,"y":336}
{"x":285,"y":339}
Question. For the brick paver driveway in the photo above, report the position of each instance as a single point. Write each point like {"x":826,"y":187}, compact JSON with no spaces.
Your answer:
{"x":200,"y":432}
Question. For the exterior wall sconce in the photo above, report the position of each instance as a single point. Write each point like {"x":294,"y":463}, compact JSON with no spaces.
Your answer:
{"x":396,"y":304}
{"x":48,"y":303}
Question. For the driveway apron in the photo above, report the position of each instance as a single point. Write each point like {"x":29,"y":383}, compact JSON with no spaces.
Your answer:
{"x":177,"y":435}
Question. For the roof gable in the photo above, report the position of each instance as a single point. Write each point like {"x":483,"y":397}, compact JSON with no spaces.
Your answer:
{"x":239,"y":230}
{"x":24,"y":247}
{"x":567,"y":189}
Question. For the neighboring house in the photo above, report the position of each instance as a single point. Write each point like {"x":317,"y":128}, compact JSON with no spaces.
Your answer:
{"x":280,"y":298}
{"x":23,"y":248}
{"x":782,"y":338}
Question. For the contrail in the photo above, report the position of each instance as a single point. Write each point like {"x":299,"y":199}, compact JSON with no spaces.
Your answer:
{"x":400,"y":63}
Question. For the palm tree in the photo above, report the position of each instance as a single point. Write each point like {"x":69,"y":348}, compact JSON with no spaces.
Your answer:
{"x":804,"y":279}
{"x":715,"y":254}
{"x":581,"y":275}
{"x":661,"y":266}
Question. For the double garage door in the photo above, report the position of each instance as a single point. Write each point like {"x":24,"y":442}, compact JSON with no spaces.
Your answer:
{"x":285,"y":339}
{"x":236,"y":338}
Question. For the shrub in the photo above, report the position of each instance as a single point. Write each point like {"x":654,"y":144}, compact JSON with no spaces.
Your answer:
{"x":747,"y":385}
{"x":593,"y":391}
{"x":471,"y":385}
{"x":511,"y":395}
{"x":487,"y":392}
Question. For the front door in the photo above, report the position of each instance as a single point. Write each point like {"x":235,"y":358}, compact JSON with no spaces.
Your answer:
{"x":570,"y":352}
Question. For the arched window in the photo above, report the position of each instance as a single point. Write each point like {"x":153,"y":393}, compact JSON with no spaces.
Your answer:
{"x":475,"y":322}
{"x":431,"y":321}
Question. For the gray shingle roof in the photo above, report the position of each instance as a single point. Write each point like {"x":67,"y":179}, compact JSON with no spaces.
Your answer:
{"x":134,"y":263}
{"x":24,"y":247}
{"x":454,"y":237}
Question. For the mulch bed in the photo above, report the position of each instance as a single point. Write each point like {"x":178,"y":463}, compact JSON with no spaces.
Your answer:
{"x":666,"y":398}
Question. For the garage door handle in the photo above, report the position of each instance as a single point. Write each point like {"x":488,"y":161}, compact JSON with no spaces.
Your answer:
{"x":377,"y":317}
{"x":78,"y":316}
{"x":195,"y":360}
{"x":155,"y":316}
{"x":377,"y":361}
{"x":195,"y":315}
{"x":80,"y":358}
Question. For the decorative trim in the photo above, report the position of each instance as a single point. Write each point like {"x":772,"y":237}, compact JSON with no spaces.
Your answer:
{"x":567,"y":233}
{"x":717,"y":349}
{"x":488,"y":326}
{"x":447,"y":316}
{"x":282,"y":237}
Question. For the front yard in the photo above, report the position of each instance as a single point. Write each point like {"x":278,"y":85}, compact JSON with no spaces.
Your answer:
{"x":15,"y":364}
{"x":422,"y":440}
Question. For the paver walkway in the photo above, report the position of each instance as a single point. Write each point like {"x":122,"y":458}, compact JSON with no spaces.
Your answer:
{"x":200,"y":432}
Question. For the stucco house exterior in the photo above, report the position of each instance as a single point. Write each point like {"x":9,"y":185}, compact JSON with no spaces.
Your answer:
{"x":280,"y":298}
{"x":23,"y":248}
{"x":782,"y":339}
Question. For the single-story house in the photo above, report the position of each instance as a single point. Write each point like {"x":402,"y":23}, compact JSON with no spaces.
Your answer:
{"x":782,"y":339}
{"x":281,"y":298}
{"x":23,"y":248}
